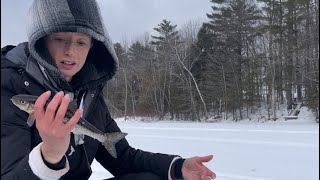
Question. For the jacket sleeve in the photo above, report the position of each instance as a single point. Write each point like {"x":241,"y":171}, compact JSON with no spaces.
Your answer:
{"x":15,"y":133}
{"x":132,"y":160}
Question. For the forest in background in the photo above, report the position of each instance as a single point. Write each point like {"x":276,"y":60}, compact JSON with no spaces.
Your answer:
{"x":248,"y":55}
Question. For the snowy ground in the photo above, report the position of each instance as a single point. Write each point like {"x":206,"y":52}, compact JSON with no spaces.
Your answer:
{"x":247,"y":150}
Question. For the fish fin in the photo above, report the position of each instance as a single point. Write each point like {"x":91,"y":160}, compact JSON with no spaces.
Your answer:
{"x":30,"y":120}
{"x":111,"y":140}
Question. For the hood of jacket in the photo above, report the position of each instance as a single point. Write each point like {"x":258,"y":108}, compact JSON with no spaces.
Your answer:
{"x":49,"y":16}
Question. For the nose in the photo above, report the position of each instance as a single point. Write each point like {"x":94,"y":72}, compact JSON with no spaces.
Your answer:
{"x":70,"y":49}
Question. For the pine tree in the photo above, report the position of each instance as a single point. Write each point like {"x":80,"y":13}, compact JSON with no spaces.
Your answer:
{"x":234,"y":25}
{"x":164,"y":45}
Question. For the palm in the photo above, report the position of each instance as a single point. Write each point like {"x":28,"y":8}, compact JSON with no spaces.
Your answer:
{"x":193,"y":169}
{"x":193,"y":173}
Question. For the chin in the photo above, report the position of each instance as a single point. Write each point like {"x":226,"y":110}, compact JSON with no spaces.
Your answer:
{"x":67,"y":77}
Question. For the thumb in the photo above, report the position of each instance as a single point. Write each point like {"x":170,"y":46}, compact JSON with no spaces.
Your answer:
{"x":205,"y":158}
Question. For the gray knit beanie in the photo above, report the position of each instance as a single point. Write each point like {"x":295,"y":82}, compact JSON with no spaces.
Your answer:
{"x":49,"y":16}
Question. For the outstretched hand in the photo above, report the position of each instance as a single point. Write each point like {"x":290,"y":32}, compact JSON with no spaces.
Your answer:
{"x":193,"y":169}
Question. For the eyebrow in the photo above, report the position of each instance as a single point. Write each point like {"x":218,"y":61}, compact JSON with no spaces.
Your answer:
{"x":83,"y":37}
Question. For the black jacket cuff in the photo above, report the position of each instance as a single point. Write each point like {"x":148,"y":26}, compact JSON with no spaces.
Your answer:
{"x":178,"y":168}
{"x":60,"y":165}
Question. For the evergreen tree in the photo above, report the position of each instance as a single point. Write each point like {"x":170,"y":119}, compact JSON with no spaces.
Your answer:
{"x":235,"y":27}
{"x":163,"y":65}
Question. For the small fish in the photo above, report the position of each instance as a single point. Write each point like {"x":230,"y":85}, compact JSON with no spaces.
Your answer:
{"x":83,"y":127}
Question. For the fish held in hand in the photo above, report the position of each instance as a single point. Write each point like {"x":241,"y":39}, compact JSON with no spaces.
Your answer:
{"x":83,"y":127}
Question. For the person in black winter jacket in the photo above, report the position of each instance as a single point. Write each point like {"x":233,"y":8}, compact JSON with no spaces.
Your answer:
{"x":69,"y":57}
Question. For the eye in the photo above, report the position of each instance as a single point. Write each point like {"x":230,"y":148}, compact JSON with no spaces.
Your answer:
{"x":59,"y":40}
{"x":80,"y":43}
{"x":22,"y":102}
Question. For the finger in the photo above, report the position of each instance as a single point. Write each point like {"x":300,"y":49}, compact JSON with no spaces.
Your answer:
{"x":62,"y":109}
{"x":40,"y":103}
{"x":211,"y":174}
{"x":206,"y":172}
{"x":74,"y":119}
{"x":207,"y":177}
{"x":53,"y":105}
{"x":204,"y":158}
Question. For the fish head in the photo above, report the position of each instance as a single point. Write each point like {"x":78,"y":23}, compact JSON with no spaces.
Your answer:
{"x":23,"y":103}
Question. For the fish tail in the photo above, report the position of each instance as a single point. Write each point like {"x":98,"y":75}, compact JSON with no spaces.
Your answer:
{"x":110,"y":141}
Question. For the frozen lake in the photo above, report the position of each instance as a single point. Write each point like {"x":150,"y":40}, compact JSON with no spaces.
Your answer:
{"x":284,"y":150}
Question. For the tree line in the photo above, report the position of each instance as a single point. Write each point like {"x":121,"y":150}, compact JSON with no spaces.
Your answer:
{"x":248,"y":55}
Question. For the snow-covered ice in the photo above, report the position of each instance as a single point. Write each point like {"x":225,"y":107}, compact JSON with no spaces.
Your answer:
{"x":246,"y":150}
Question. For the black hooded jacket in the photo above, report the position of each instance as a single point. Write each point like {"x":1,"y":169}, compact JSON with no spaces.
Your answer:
{"x":28,"y":69}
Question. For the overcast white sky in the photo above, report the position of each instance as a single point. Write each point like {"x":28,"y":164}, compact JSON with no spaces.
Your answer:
{"x":124,"y":19}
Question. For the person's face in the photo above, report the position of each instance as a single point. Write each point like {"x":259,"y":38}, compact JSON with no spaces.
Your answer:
{"x":69,"y":51}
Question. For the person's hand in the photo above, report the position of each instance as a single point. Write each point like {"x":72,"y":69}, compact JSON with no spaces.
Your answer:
{"x":54,"y":132}
{"x":193,"y":169}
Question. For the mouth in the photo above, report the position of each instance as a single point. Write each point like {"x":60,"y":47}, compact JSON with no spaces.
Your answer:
{"x":68,"y":65}
{"x":68,"y":62}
